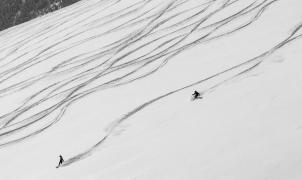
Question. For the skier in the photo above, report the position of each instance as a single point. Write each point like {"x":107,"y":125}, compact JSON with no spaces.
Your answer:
{"x":61,"y":161}
{"x":196,"y":95}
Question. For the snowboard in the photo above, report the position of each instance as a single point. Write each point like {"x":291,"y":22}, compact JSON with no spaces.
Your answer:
{"x":59,"y":165}
{"x":195,"y":98}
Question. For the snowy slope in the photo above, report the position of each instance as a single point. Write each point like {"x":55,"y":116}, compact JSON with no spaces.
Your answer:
{"x":107,"y":84}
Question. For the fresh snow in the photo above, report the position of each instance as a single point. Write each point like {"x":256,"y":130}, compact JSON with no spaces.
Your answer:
{"x":108,"y":84}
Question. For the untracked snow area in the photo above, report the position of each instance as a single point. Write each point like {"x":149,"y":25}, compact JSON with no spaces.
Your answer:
{"x":108,"y":84}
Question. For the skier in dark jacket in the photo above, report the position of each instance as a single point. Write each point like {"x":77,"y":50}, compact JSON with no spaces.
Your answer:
{"x":61,"y":161}
{"x":196,"y":95}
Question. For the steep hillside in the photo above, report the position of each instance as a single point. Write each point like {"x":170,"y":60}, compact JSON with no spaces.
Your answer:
{"x":108,"y":84}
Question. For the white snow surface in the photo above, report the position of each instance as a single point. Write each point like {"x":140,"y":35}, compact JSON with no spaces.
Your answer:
{"x":108,"y":84}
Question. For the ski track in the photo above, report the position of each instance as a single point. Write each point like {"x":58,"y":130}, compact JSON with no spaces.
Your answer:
{"x":153,"y":33}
